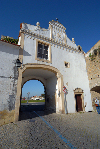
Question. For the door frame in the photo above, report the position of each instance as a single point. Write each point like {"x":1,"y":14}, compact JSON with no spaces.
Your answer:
{"x":77,"y":102}
{"x":78,"y":91}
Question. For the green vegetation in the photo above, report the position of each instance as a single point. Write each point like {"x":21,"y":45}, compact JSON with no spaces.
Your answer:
{"x":43,"y":95}
{"x":95,"y":53}
{"x":81,"y":112}
{"x":90,"y":55}
{"x":25,"y":101}
{"x":10,"y":40}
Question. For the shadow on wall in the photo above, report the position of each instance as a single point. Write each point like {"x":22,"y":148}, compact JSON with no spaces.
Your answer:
{"x":51,"y":93}
{"x":9,"y":49}
{"x":12,"y":96}
{"x":11,"y":102}
{"x":65,"y":103}
{"x":25,"y":53}
{"x":25,"y":26}
{"x":14,"y":51}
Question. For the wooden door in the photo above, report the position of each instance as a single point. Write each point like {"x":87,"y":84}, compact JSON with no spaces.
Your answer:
{"x":78,"y":103}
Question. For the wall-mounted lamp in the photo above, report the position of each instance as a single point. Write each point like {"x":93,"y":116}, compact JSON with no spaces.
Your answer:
{"x":18,"y":63}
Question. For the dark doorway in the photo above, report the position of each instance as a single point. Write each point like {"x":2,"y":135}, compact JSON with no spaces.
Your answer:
{"x":78,"y":102}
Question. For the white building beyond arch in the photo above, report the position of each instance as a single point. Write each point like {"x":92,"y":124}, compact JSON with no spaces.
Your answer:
{"x":49,"y":55}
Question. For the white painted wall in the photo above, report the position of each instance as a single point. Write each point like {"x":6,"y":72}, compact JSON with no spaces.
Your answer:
{"x":8,"y":53}
{"x":76,"y":75}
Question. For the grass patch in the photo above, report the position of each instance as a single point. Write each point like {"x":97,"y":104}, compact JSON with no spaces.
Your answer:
{"x":81,"y":112}
{"x":25,"y":101}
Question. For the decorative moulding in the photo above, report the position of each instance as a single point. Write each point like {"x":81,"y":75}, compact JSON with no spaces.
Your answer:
{"x":46,"y":39}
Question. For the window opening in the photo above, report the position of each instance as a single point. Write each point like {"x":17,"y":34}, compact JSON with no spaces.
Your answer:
{"x":95,"y":52}
{"x":66,"y":64}
{"x":99,"y":50}
{"x":42,"y":51}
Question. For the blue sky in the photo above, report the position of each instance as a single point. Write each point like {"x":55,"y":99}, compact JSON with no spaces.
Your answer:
{"x":35,"y":87}
{"x":80,"y":17}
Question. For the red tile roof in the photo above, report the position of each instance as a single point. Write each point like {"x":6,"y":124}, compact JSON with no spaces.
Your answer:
{"x":9,"y":42}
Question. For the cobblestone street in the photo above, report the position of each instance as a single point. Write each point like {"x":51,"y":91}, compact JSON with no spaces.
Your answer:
{"x":45,"y":130}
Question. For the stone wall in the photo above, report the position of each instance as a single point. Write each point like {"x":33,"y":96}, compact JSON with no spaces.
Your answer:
{"x":96,"y":46}
{"x":93,"y":70}
{"x":8,"y":81}
{"x":93,"y":67}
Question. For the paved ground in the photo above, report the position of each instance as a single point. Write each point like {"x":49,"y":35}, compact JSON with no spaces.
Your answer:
{"x":51,"y":130}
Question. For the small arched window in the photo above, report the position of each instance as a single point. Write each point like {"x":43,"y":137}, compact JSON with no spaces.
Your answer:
{"x":79,"y":48}
{"x":67,"y":64}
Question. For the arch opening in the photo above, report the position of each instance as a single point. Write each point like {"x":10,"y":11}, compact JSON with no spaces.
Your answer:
{"x":52,"y":81}
{"x":96,"y":89}
{"x":95,"y":92}
{"x":32,"y":98}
